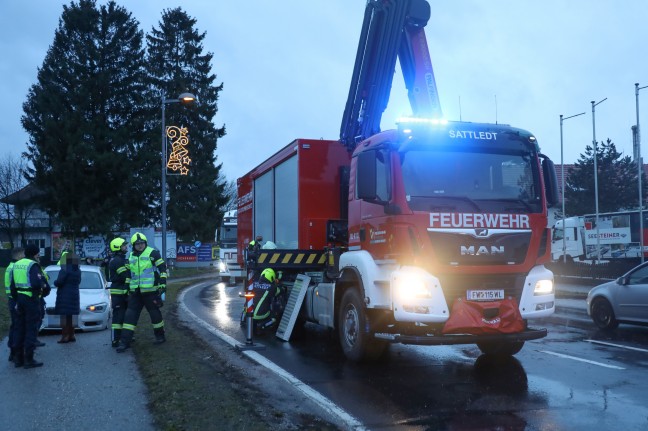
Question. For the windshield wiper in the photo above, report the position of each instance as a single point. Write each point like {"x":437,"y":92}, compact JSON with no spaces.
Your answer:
{"x":465,"y":199}
{"x":524,"y":203}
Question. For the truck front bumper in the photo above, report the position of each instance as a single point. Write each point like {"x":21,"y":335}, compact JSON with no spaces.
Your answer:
{"x":439,"y":340}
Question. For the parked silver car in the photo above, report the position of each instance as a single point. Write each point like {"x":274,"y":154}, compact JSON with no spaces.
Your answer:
{"x":624,"y":300}
{"x":94,"y":300}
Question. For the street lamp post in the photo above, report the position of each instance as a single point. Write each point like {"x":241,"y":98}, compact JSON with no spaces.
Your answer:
{"x":639,"y":172}
{"x":562,"y":170}
{"x":598,"y":245}
{"x":183,"y":98}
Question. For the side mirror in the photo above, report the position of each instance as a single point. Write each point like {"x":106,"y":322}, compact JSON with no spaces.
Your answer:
{"x":366,"y":175}
{"x":550,"y":181}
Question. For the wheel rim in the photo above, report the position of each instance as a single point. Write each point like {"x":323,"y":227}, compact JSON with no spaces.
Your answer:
{"x":351,"y":319}
{"x":602,"y":313}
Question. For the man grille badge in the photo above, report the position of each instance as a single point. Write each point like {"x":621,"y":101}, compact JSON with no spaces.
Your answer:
{"x":481,"y":232}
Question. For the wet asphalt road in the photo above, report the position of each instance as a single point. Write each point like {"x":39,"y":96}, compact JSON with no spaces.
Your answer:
{"x":578,"y":378}
{"x":84,"y":385}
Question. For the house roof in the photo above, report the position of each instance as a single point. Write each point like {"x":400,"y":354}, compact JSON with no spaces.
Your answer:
{"x":22,"y":196}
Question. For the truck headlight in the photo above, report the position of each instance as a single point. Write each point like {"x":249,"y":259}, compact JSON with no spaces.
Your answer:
{"x":543,"y":287}
{"x":410,"y":287}
{"x":222,"y":267}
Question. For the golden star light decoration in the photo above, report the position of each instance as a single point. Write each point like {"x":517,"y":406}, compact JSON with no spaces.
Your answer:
{"x":179,"y":160}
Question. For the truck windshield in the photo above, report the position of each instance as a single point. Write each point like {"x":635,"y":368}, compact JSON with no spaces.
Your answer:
{"x":444,"y":179}
{"x":228,"y":237}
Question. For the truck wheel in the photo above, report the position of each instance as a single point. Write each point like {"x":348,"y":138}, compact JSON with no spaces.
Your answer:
{"x":501,"y":348}
{"x":603,"y":314}
{"x":355,"y":340}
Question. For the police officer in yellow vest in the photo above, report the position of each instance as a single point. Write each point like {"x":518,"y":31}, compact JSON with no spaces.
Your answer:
{"x":148,"y":274}
{"x":27,"y":286}
{"x":16,"y":255}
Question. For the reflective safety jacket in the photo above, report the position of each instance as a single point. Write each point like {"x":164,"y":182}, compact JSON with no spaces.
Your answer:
{"x":27,"y":280}
{"x":7,"y":280}
{"x":118,"y":274}
{"x":143,"y":269}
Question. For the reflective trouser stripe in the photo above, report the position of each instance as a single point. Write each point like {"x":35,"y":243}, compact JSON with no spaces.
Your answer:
{"x":258,"y":316}
{"x":157,"y":325}
{"x":116,"y":326}
{"x":129,"y":327}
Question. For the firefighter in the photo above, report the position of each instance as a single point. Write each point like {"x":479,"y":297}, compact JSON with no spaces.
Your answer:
{"x":16,"y":255}
{"x":27,"y":285}
{"x":148,"y":274}
{"x":118,"y":274}
{"x":266,"y":287}
{"x":253,"y":248}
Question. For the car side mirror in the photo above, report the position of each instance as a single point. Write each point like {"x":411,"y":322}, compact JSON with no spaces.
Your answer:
{"x":622,"y":281}
{"x":108,"y":284}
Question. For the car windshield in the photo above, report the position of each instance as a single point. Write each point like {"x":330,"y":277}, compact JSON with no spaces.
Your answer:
{"x":89,"y":279}
{"x":445,"y":179}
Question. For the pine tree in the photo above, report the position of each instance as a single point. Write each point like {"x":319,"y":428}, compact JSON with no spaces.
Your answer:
{"x":617,"y":182}
{"x":177,"y":65}
{"x":85,"y":118}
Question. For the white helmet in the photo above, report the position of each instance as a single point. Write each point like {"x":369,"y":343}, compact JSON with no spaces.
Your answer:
{"x":269,"y":245}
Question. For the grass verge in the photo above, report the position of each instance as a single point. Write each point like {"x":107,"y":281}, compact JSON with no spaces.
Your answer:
{"x":192,"y":387}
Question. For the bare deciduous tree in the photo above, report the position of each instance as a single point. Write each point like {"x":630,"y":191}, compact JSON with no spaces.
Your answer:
{"x":14,"y":210}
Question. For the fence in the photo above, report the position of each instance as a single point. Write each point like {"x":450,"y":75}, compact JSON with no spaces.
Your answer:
{"x":608,"y":270}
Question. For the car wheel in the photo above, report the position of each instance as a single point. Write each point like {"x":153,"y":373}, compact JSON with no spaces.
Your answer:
{"x":603,"y":314}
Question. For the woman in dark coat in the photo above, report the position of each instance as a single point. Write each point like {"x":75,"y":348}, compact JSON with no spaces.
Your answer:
{"x":67,"y":296}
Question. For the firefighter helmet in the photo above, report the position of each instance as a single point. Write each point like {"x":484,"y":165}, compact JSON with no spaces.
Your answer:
{"x":269,"y":275}
{"x":116,"y":244}
{"x":138,"y":237}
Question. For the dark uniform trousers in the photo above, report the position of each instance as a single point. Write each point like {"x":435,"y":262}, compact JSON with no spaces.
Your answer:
{"x":119,"y":305}
{"x":28,"y":322}
{"x":136,"y":301}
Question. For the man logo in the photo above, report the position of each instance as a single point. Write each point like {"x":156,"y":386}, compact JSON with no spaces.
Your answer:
{"x":482,"y":250}
{"x":481,"y":232}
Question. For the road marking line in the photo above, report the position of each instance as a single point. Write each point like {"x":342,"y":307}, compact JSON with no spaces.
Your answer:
{"x":319,"y":399}
{"x":617,"y":345}
{"x":582,"y":360}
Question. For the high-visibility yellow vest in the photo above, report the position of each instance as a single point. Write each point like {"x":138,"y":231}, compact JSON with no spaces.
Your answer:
{"x":8,"y":276}
{"x":21,"y":276}
{"x":142,"y":271}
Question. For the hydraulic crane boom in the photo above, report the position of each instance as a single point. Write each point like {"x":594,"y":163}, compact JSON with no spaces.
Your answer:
{"x":391,"y":28}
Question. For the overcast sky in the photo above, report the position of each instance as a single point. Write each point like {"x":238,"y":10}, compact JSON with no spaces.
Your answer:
{"x":286,"y":67}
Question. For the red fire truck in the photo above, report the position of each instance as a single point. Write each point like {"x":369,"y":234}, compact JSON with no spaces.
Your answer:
{"x":433,"y":233}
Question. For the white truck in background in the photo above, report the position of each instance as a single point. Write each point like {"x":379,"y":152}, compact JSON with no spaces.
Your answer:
{"x":570,"y":234}
{"x":617,"y":233}
{"x":228,"y":267}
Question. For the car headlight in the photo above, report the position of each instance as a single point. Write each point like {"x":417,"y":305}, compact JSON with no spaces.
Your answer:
{"x":410,"y":287}
{"x":543,"y":287}
{"x":222,"y":267}
{"x":97,"y":308}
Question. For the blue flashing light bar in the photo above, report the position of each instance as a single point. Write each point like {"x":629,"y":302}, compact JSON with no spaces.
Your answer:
{"x":405,"y":124}
{"x":416,"y":120}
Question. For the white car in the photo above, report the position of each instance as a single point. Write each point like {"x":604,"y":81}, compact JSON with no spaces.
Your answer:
{"x":94,"y":300}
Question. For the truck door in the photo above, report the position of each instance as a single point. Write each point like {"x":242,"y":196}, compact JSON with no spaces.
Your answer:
{"x":374,"y":189}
